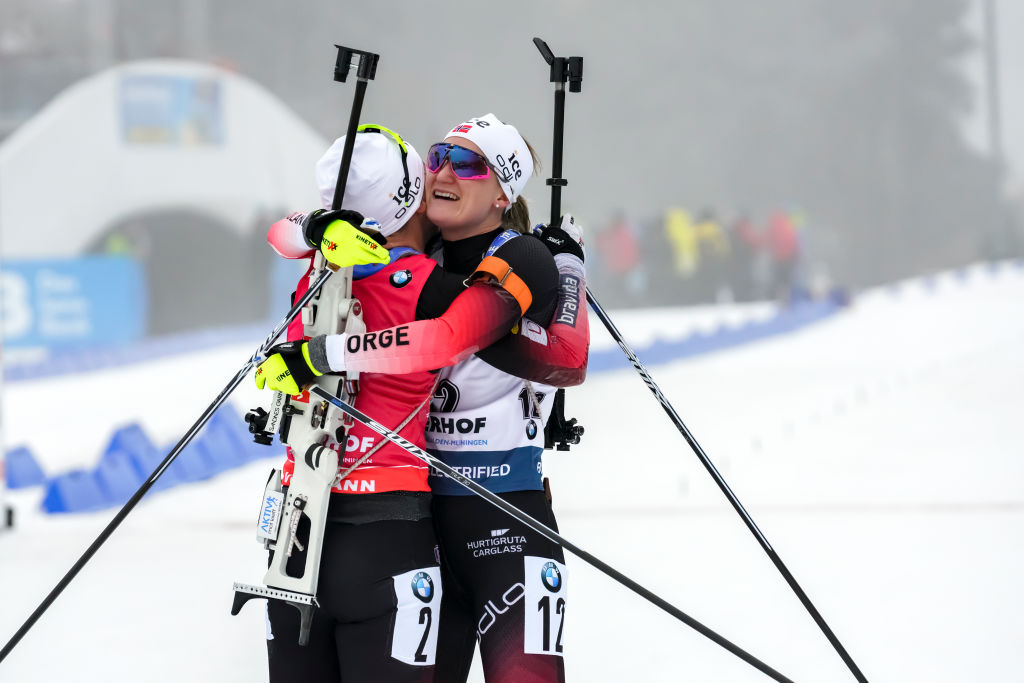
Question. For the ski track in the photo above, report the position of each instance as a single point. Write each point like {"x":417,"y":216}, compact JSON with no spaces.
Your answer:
{"x":878,"y":451}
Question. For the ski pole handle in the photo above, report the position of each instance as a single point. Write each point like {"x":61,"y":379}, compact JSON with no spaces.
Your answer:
{"x":563,"y":69}
{"x":365,"y":72}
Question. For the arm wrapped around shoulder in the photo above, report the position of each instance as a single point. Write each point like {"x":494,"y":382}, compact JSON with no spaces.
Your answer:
{"x":286,"y":238}
{"x":525,"y":268}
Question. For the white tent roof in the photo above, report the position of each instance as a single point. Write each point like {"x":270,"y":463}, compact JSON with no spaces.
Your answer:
{"x":149,"y":135}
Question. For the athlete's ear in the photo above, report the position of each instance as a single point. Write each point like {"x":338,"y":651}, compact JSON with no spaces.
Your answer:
{"x":501,"y":202}
{"x":422,"y":208}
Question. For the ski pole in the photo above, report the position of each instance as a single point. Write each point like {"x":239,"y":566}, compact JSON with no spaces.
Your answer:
{"x":365,"y":72}
{"x":543,"y":530}
{"x":571,"y":69}
{"x":678,"y":422}
{"x":562,"y":69}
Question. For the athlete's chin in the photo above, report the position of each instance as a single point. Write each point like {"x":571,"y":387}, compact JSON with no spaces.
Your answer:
{"x":446,"y":218}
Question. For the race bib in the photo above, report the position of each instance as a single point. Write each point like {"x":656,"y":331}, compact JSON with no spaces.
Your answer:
{"x":414,"y":640}
{"x":545,"y":606}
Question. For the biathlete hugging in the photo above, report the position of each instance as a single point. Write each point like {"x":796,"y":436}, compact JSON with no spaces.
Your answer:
{"x":500,"y":314}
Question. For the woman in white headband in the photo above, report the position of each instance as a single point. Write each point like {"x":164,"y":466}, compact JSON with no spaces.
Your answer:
{"x":475,"y":180}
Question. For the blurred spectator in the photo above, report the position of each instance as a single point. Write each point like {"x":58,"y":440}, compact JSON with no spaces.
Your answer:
{"x":618,"y":245}
{"x":800,"y":286}
{"x":685,"y":259}
{"x":657,"y":260}
{"x":713,"y":258}
{"x":744,"y":248}
{"x":783,"y":246}
{"x":682,"y":236}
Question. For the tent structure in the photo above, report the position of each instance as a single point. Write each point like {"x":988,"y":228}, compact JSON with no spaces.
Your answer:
{"x":146,"y":135}
{"x":181,"y":165}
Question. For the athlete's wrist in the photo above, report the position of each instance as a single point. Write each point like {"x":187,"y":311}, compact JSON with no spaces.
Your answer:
{"x":334,"y":351}
{"x":327,"y":353}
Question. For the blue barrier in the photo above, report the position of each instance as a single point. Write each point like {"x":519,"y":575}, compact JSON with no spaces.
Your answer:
{"x":22,"y":469}
{"x":194,"y":463}
{"x":117,"y":476}
{"x":221,"y":450}
{"x":130,"y":457}
{"x":75,"y":491}
{"x":228,"y":439}
{"x":144,"y":456}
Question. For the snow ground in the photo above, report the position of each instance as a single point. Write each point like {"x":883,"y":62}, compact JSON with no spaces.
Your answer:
{"x":878,"y":451}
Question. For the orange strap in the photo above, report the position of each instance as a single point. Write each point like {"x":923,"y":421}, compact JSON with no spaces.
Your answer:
{"x":506,"y":279}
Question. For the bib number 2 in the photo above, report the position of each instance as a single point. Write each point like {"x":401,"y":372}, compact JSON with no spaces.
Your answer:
{"x":414,"y":640}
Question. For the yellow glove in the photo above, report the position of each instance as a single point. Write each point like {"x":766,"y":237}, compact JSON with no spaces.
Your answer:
{"x":287,"y":369}
{"x":345,"y":238}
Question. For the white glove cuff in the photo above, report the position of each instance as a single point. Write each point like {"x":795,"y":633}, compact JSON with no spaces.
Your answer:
{"x":570,"y":264}
{"x":327,"y":353}
{"x":335,"y":348}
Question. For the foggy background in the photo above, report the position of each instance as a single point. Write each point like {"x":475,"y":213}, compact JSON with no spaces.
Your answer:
{"x":785,"y":156}
{"x":872,"y":125}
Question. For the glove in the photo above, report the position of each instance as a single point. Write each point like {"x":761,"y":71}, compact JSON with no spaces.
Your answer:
{"x":336,"y":235}
{"x":287,"y":369}
{"x":565,"y":238}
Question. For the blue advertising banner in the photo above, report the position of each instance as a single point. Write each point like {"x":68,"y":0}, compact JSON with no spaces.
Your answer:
{"x":89,"y":301}
{"x":171,"y":110}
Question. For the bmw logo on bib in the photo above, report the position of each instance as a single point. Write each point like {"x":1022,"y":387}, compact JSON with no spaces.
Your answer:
{"x":551,"y":577}
{"x":423,"y":587}
{"x":401,"y":278}
{"x":531,"y":429}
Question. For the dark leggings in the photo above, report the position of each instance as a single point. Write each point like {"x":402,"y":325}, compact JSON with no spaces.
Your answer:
{"x":361,"y":624}
{"x":504,"y":586}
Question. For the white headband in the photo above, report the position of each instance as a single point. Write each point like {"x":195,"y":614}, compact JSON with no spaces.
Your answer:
{"x":504,"y":147}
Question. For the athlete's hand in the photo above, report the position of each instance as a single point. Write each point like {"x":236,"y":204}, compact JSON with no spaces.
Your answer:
{"x":287,"y":369}
{"x":345,"y":238}
{"x":564,"y":238}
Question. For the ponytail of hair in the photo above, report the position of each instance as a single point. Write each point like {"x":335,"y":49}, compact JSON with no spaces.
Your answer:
{"x":517,"y":217}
